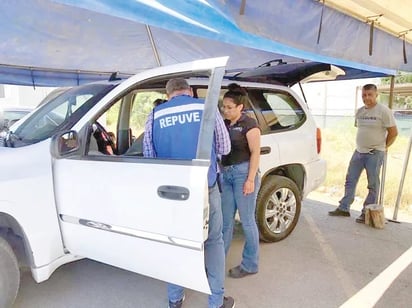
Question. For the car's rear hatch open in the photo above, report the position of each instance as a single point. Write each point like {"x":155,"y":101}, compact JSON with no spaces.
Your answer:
{"x":288,"y":74}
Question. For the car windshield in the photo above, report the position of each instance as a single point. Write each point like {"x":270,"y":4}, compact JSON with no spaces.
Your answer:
{"x":60,"y":113}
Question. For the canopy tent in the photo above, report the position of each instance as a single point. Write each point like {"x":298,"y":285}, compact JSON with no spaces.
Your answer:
{"x":393,"y":17}
{"x":47,"y":43}
{"x":66,"y":42}
{"x":264,"y":24}
{"x":372,"y":32}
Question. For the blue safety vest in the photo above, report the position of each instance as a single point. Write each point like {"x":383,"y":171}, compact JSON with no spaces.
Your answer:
{"x":175,"y":133}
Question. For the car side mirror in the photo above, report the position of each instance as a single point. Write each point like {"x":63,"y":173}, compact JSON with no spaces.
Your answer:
{"x":65,"y":144}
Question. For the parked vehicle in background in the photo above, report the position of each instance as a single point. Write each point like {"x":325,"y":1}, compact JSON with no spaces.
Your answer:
{"x":10,"y":115}
{"x":88,"y":194}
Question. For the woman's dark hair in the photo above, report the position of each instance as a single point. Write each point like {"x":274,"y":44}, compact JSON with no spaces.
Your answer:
{"x":237,"y":94}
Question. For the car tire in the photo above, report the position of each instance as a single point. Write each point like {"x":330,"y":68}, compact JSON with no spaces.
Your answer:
{"x":9,"y":274}
{"x":278,"y":207}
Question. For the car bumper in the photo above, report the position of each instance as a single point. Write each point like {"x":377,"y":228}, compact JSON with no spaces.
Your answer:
{"x":315,"y":175}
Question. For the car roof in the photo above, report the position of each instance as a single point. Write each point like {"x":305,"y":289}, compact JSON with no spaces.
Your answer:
{"x":274,"y":72}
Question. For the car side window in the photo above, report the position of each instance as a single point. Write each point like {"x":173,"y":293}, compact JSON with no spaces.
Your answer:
{"x":103,"y":132}
{"x":143,"y":103}
{"x":282,"y":111}
{"x":201,"y":93}
{"x":119,"y":129}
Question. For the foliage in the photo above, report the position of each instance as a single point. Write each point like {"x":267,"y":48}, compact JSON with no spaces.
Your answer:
{"x":142,"y":105}
{"x":399,"y":101}
{"x":402,"y":78}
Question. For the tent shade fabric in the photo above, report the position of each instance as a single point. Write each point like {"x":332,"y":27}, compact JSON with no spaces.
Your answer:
{"x":51,"y":78}
{"x":282,"y":26}
{"x":42,"y":35}
{"x":67,"y":39}
{"x":392,"y":16}
{"x":299,"y":23}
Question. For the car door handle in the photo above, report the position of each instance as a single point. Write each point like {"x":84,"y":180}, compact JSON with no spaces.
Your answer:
{"x":265,"y":150}
{"x":173,"y":192}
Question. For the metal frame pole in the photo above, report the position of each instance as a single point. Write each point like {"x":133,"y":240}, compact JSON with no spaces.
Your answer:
{"x":405,"y":166}
{"x":383,"y":177}
{"x":390,"y":105}
{"x":153,"y":44}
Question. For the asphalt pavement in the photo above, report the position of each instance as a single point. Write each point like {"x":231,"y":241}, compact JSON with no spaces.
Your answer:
{"x":326,"y":262}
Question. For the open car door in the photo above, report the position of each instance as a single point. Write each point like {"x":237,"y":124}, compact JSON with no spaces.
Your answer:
{"x":149,"y":216}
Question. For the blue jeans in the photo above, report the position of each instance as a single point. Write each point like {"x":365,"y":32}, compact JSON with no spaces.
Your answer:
{"x":214,"y":255}
{"x":233,"y":179}
{"x":372,"y":163}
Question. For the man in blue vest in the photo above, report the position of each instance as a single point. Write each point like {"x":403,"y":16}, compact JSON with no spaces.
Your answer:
{"x":172,"y":131}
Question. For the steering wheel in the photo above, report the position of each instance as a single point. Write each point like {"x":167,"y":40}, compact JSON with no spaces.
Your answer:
{"x":104,"y":141}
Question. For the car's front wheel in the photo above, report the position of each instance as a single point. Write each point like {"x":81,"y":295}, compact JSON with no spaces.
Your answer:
{"x":277,"y":208}
{"x":9,"y":274}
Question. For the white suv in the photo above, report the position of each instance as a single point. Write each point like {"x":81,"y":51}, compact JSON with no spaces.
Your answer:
{"x":75,"y":185}
{"x":290,"y":164}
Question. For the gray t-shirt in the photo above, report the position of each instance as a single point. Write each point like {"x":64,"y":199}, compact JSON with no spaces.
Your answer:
{"x":372,"y":124}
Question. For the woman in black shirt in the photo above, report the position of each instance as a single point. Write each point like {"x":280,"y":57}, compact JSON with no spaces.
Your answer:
{"x":240,"y":179}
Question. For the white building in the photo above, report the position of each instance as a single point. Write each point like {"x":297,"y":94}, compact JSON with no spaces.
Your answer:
{"x":22,"y":96}
{"x":335,"y":98}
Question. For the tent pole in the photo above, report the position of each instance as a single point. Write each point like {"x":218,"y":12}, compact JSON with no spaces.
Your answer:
{"x":320,"y":22}
{"x":405,"y":166}
{"x":385,"y":159}
{"x":152,"y":42}
{"x":383,"y":178}
{"x":390,"y":104}
{"x":356,"y":98}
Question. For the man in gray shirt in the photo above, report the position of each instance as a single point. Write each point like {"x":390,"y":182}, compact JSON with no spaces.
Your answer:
{"x":376,"y":132}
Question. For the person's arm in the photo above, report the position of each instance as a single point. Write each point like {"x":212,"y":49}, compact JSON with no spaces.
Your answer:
{"x":222,"y":137}
{"x":148,"y":150}
{"x":253,"y":140}
{"x":391,"y":135}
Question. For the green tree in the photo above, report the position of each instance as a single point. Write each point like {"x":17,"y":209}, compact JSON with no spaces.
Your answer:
{"x":399,"y":101}
{"x":401,"y":78}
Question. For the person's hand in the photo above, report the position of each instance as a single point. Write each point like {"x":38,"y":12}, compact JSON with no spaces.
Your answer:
{"x":248,"y":187}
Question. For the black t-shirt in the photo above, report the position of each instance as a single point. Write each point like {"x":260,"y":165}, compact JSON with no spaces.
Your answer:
{"x":240,"y":148}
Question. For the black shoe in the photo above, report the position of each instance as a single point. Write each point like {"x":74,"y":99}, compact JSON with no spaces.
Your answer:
{"x":228,"y":302}
{"x":239,"y":272}
{"x":177,"y":304}
{"x":339,"y":212}
{"x":361,"y":219}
